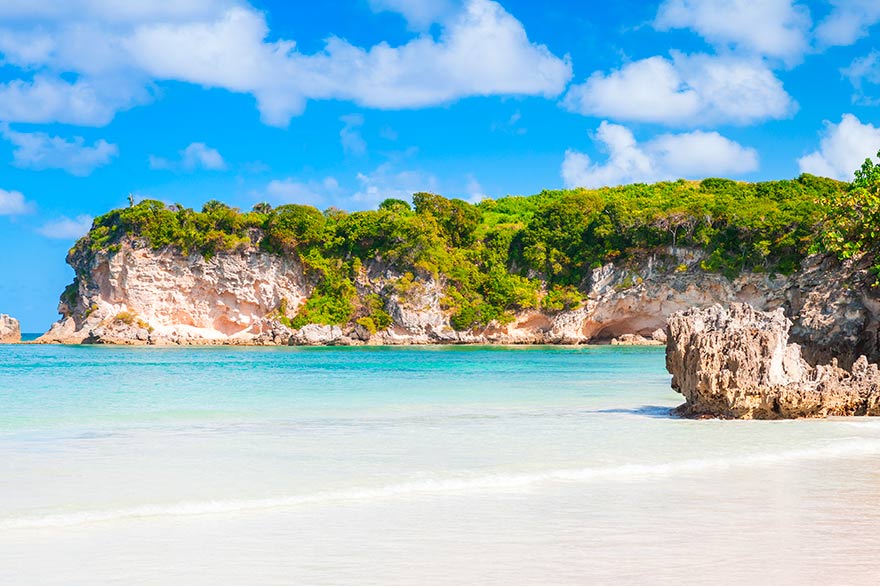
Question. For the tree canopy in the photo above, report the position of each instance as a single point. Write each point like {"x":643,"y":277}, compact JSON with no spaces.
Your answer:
{"x":498,"y":256}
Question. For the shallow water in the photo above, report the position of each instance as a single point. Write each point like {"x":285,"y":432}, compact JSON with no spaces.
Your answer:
{"x":412,"y":465}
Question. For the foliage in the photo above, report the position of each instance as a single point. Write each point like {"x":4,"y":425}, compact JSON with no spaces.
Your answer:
{"x":852,"y":225}
{"x":332,"y":299}
{"x":128,"y":318}
{"x":376,"y":317}
{"x":562,"y":297}
{"x":496,"y":257}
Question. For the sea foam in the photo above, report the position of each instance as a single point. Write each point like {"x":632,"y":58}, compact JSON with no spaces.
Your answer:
{"x":459,"y":485}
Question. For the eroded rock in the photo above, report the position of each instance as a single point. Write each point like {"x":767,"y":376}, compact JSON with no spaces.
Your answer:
{"x":738,"y":363}
{"x":10,"y":331}
{"x":132,"y":293}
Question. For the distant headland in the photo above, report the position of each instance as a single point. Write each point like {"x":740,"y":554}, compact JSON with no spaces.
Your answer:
{"x":562,"y":267}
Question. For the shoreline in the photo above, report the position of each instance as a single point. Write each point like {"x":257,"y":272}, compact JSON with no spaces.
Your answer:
{"x":226,"y":343}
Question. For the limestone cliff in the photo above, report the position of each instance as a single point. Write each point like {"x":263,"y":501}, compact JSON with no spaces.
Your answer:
{"x":139,"y":295}
{"x":133,"y":294}
{"x":738,"y":363}
{"x":10,"y":331}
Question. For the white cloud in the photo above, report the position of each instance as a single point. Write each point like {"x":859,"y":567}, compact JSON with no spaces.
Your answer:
{"x":842,"y":149}
{"x":420,"y":14}
{"x":200,"y":155}
{"x":111,"y":11}
{"x":686,"y":90}
{"x":350,"y":135}
{"x":701,"y":154}
{"x":626,"y":161}
{"x":848,"y":21}
{"x":13,"y":203}
{"x":38,"y":150}
{"x":387,"y":181}
{"x":117,"y":54}
{"x":861,"y":72}
{"x":317,"y":193}
{"x":51,"y":99}
{"x":775,"y":28}
{"x":665,"y":157}
{"x":65,"y":228}
{"x":511,"y":125}
{"x":197,"y":155}
{"x":475,"y":191}
{"x":388,"y":133}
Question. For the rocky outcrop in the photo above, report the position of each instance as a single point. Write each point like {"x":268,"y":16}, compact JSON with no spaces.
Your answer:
{"x":132,"y":294}
{"x":10,"y":331}
{"x":658,"y":338}
{"x":835,"y":310}
{"x":739,"y":363}
{"x":139,"y":295}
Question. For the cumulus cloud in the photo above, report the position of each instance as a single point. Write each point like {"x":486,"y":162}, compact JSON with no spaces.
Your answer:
{"x":420,"y":14}
{"x":391,"y":179}
{"x":13,"y":203}
{"x":862,"y":73}
{"x":350,"y":135}
{"x":317,"y":193}
{"x":38,"y":150}
{"x":200,"y":155}
{"x":475,"y":191}
{"x":388,"y":181}
{"x":111,"y":11}
{"x":64,"y":228}
{"x":197,"y":155}
{"x":665,"y":157}
{"x":684,"y":90}
{"x":842,"y":149}
{"x":848,"y":21}
{"x":47,"y":98}
{"x":115,"y":56}
{"x":775,"y":28}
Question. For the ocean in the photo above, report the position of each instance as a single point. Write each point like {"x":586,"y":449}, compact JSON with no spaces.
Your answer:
{"x":422,"y":465}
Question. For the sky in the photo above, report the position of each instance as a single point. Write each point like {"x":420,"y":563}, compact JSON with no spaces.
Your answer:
{"x":349,"y":102}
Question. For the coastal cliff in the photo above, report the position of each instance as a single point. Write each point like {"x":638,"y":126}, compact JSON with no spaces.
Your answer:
{"x":10,"y":331}
{"x":559,"y":267}
{"x":134,"y":294}
{"x":137,"y":295}
{"x":738,"y":363}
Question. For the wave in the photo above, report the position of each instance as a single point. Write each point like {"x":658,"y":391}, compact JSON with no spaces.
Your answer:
{"x":450,"y":486}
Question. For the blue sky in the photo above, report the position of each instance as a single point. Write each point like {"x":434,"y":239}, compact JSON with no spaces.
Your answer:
{"x":347,"y":103}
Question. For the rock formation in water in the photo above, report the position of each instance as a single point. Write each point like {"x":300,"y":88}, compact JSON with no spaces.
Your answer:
{"x":738,"y":363}
{"x":10,"y":331}
{"x":133,"y":294}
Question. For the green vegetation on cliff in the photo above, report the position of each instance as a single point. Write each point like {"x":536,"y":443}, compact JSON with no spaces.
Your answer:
{"x":852,"y":226}
{"x":501,"y":255}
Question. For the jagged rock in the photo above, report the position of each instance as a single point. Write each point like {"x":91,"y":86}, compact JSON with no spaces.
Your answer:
{"x":738,"y":363}
{"x":317,"y":335}
{"x":835,"y":310}
{"x":238,"y":297}
{"x":635,"y":340}
{"x":183,"y":299}
{"x":10,"y":331}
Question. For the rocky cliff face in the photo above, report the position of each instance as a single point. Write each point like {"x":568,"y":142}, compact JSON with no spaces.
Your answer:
{"x":10,"y":331}
{"x":139,"y":295}
{"x":739,"y":363}
{"x":136,"y":295}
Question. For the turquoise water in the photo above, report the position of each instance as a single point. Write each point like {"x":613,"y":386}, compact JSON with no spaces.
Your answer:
{"x":449,"y":465}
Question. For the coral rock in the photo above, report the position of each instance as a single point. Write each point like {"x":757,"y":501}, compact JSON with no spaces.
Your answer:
{"x":738,"y":363}
{"x":10,"y":331}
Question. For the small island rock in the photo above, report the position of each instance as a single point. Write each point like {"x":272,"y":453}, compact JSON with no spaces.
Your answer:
{"x":10,"y":331}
